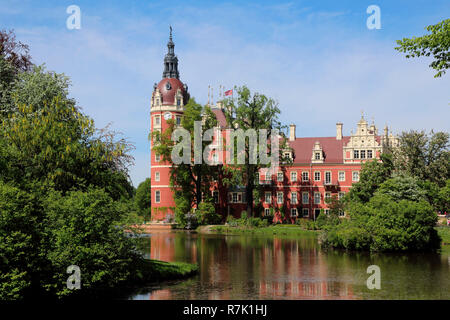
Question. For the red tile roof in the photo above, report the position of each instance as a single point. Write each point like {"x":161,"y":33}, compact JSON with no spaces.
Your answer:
{"x":220,"y":115}
{"x":332,"y":148}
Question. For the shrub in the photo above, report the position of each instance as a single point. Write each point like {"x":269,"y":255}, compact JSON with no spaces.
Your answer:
{"x":306,"y":224}
{"x":81,"y":232}
{"x":206,"y":214}
{"x":385,"y":224}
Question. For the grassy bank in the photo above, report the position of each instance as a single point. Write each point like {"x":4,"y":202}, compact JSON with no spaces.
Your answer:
{"x":444,"y":232}
{"x":286,"y":229}
{"x":161,"y":270}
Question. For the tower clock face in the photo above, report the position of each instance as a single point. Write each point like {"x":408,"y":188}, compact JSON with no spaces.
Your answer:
{"x":167,"y":116}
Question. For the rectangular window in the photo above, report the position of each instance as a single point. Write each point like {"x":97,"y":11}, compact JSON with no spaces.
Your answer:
{"x":305,"y":197}
{"x":157,"y":196}
{"x":235,"y":197}
{"x":279,"y":197}
{"x":266,"y":211}
{"x":317,"y":156}
{"x":216,"y":196}
{"x":305,"y":212}
{"x":355,"y":176}
{"x":178,"y":120}
{"x":294,"y":197}
{"x":257,"y":178}
{"x":327,"y":177}
{"x":280,"y":176}
{"x":341,"y":213}
{"x":341,"y":175}
{"x":327,"y":211}
{"x":340,"y":195}
{"x":268,"y":197}
{"x":316,"y":197}
{"x":327,"y":196}
{"x":369,"y":154}
{"x":157,"y":157}
{"x":293,"y":176}
{"x":362,"y":154}
{"x":157,"y":176}
{"x":157,"y":120}
{"x":293,"y":212}
{"x":305,"y":176}
{"x":178,"y":102}
{"x":356,"y":154}
{"x":157,"y":101}
{"x":317,"y":176}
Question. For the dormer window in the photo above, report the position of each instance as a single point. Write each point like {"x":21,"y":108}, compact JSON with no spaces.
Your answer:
{"x":317,"y":153}
{"x":178,"y":102}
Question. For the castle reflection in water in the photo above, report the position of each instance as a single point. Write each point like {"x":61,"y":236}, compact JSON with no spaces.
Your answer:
{"x":236,"y":267}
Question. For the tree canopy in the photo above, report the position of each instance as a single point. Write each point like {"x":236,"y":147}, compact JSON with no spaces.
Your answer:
{"x":251,"y":111}
{"x":436,"y":44}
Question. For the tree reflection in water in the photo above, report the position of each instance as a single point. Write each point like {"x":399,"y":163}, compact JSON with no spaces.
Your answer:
{"x":247,"y":267}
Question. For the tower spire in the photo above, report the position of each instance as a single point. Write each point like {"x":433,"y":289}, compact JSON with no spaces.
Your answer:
{"x":171,"y":60}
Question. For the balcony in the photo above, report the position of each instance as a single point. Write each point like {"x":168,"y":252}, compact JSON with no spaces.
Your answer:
{"x":331,"y":183}
{"x":266,"y":182}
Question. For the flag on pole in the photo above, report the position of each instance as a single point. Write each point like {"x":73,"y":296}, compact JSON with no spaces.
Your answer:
{"x":229,"y":92}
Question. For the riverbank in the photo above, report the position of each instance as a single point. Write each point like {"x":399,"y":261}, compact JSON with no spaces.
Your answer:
{"x":287,"y":229}
{"x":444,"y":233}
{"x":156,"y":270}
{"x":280,"y":229}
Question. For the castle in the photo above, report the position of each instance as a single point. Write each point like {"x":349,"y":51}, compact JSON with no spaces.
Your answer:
{"x":321,"y":167}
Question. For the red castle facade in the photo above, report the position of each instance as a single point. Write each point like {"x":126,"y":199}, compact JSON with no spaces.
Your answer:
{"x":321,"y":167}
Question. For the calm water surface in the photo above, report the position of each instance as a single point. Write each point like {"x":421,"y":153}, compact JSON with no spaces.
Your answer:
{"x":246,"y":267}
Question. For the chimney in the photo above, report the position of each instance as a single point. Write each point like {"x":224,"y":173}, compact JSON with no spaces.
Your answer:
{"x":292,"y":132}
{"x":339,"y":131}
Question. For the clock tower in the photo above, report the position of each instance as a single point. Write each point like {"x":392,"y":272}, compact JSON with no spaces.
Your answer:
{"x":168,"y":100}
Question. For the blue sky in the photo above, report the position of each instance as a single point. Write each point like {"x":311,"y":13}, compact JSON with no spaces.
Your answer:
{"x":316,"y":58}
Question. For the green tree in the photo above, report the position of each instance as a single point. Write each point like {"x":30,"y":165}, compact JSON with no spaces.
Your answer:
{"x":372,"y":175}
{"x":444,"y":195}
{"x":39,"y":86}
{"x":61,"y":148}
{"x":143,"y":198}
{"x":82,"y":231}
{"x":436,"y":44}
{"x":22,"y":261}
{"x":401,"y":187}
{"x":386,"y":224}
{"x":206,"y":213}
{"x":250,"y":111}
{"x":189,"y":181}
{"x":423,"y":155}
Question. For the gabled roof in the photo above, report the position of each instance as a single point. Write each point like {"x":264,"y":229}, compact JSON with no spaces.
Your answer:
{"x":332,"y":149}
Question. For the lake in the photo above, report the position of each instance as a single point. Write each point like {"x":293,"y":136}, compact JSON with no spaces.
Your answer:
{"x":246,"y":267}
